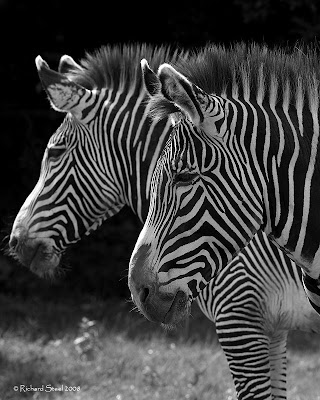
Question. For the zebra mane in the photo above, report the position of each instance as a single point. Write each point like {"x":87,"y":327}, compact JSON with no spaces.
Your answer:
{"x":252,"y":67}
{"x":253,"y":72}
{"x":286,"y":75}
{"x":115,"y":66}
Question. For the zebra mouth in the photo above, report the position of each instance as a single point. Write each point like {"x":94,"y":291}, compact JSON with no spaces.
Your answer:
{"x":40,"y":258}
{"x":44,"y":261}
{"x":179,"y":309}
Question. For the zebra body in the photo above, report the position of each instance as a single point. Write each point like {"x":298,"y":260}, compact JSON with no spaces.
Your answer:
{"x":101,"y":158}
{"x":253,"y":309}
{"x":242,"y":159}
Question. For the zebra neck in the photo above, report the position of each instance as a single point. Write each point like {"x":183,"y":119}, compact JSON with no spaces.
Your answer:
{"x":137,"y":142}
{"x":283,"y":145}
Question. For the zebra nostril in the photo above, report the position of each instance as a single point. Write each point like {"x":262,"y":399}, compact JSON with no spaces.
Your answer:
{"x":13,"y":242}
{"x":143,"y":295}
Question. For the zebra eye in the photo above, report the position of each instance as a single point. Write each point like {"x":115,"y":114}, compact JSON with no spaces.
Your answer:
{"x":55,"y":152}
{"x":184,"y":177}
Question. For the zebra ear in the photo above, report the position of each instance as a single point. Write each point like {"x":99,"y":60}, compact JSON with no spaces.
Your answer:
{"x":67,"y":64}
{"x":178,"y":89}
{"x":64,"y":95}
{"x":150,"y":79}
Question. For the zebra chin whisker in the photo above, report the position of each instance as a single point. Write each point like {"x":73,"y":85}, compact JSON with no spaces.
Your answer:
{"x":58,"y":273}
{"x":7,"y":250}
{"x":135,"y":309}
{"x":5,"y":240}
{"x":125,"y":276}
{"x":169,"y":328}
{"x":6,"y":232}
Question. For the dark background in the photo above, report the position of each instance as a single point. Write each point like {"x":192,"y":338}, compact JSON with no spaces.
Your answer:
{"x":53,"y":28}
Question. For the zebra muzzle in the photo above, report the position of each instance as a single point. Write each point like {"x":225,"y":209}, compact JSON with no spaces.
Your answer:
{"x":44,"y":261}
{"x":37,"y":255}
{"x":167,"y":305}
{"x":165,"y":308}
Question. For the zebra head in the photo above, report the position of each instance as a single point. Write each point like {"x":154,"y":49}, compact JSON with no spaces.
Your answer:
{"x":75,"y":191}
{"x":203,"y":205}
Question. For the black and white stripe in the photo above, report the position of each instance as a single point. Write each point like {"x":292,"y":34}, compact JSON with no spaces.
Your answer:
{"x":95,"y":165}
{"x":252,"y":156}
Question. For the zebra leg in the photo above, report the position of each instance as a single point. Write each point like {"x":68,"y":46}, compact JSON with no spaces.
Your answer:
{"x":247,"y":352}
{"x":278,"y":365}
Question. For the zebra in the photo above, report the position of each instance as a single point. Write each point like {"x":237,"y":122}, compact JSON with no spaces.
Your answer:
{"x":98,"y":160}
{"x":253,"y":310}
{"x":243,"y":157}
{"x":74,"y":196}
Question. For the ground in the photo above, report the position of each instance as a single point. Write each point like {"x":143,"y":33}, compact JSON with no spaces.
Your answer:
{"x":100,"y":350}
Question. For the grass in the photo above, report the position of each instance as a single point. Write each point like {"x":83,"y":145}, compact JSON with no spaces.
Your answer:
{"x":121,"y":356}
